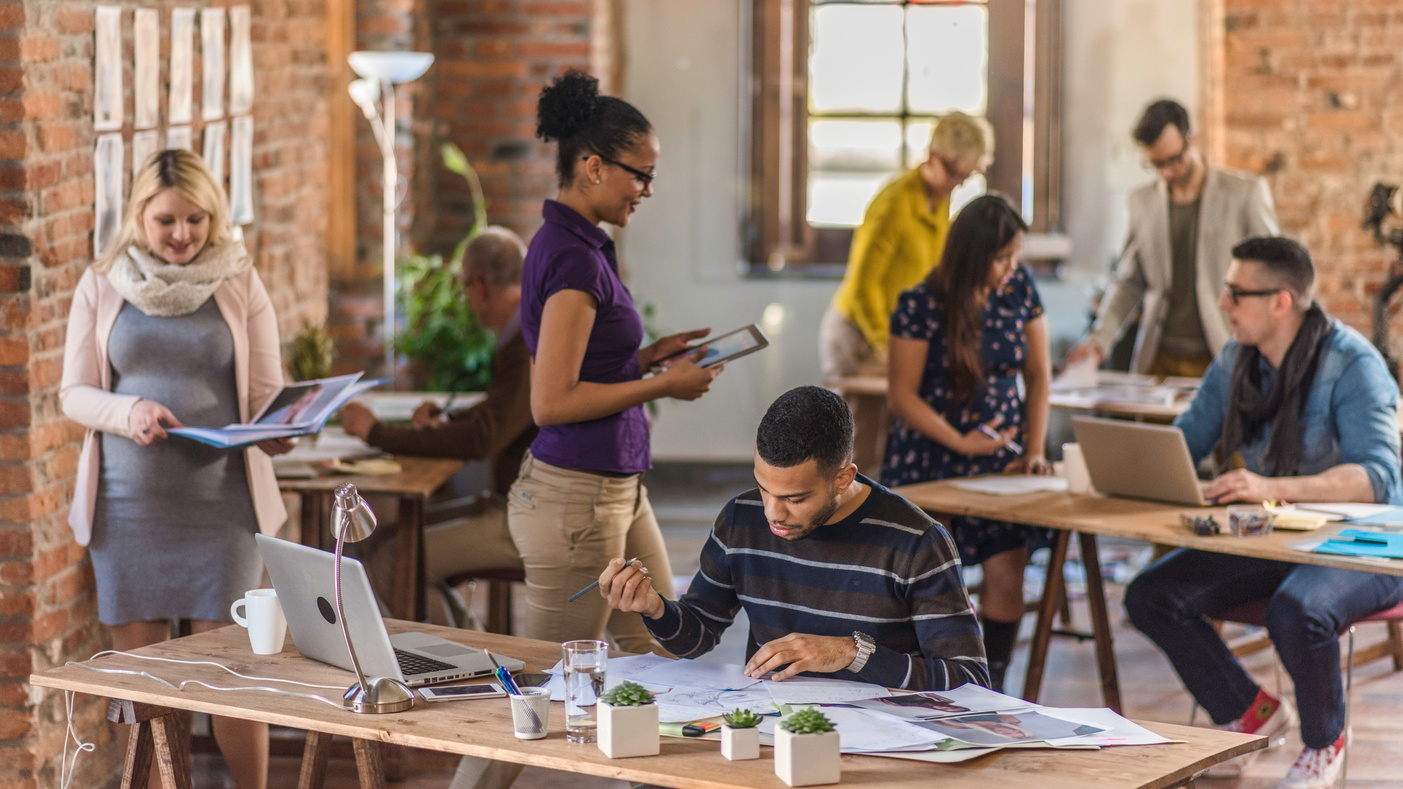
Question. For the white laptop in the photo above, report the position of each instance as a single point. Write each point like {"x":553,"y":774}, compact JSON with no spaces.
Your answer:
{"x":303,"y":578}
{"x":1139,"y":461}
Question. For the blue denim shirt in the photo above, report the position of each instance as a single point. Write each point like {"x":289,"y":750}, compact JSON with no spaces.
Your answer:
{"x":1349,"y":416}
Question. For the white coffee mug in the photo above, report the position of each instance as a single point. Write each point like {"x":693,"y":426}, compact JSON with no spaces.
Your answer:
{"x":1074,"y":469}
{"x":266,"y":626}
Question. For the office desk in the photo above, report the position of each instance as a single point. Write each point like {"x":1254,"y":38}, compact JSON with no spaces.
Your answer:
{"x":484,"y":728}
{"x":419,"y":479}
{"x":1090,"y":516}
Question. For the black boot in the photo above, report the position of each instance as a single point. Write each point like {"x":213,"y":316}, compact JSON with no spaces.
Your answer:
{"x":999,"y":639}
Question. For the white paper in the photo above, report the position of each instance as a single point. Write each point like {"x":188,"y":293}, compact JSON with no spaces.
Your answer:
{"x":107,"y":208}
{"x":690,"y":704}
{"x":146,"y":86}
{"x":620,"y":668}
{"x":240,"y":61}
{"x":934,"y":757}
{"x":180,"y":137}
{"x":1343,"y":511}
{"x":1010,"y":484}
{"x":929,"y":705}
{"x":144,"y":145}
{"x":699,"y":674}
{"x":863,"y":732}
{"x":1081,"y":375}
{"x":182,"y":67}
{"x":241,"y":171}
{"x":107,"y":81}
{"x":1117,"y":729}
{"x":817,"y":690}
{"x":213,"y":149}
{"x":212,"y":63}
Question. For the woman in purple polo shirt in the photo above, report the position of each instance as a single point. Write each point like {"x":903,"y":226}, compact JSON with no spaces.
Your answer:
{"x":580,"y":501}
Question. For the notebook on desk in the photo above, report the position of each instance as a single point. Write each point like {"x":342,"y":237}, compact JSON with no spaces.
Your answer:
{"x":1139,"y":461}
{"x":303,"y":578}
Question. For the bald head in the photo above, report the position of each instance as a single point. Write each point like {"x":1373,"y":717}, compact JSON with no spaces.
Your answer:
{"x":494,"y":256}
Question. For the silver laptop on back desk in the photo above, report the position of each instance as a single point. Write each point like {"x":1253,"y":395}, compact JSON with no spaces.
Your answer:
{"x":303,"y":578}
{"x":1138,"y":461}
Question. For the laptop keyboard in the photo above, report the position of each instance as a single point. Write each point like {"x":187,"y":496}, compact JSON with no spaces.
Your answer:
{"x":411,"y":664}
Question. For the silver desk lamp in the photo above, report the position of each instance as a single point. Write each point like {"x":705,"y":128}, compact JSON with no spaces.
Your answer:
{"x":352,"y":521}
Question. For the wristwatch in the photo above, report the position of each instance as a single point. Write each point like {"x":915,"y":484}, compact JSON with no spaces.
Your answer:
{"x":866,"y":645}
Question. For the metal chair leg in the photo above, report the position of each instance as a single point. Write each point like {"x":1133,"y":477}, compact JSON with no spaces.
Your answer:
{"x":1349,"y":690}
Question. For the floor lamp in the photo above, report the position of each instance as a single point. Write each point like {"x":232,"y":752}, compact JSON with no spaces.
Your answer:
{"x":379,"y":73}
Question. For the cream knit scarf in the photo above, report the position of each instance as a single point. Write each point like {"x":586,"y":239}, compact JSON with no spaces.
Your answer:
{"x":162,"y":290}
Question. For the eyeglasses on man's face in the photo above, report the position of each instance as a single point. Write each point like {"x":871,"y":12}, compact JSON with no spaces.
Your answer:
{"x":1168,"y":162}
{"x":644,"y":179}
{"x":1236,"y":294}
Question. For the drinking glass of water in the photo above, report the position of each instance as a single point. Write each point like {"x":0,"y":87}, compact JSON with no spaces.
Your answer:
{"x":584,"y":681}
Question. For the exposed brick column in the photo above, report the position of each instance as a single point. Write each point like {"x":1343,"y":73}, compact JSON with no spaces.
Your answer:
{"x":1308,"y":96}
{"x":47,"y":604}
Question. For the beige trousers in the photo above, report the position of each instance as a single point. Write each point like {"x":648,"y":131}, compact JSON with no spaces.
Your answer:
{"x":568,"y":525}
{"x":843,"y":351}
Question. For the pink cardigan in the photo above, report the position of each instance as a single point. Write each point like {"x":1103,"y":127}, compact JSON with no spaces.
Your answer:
{"x":86,"y":397}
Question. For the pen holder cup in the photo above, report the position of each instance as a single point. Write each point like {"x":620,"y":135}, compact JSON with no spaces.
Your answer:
{"x":1250,"y":520}
{"x":530,"y":713}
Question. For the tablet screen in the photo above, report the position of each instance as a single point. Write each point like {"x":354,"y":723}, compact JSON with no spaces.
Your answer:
{"x":728,"y":346}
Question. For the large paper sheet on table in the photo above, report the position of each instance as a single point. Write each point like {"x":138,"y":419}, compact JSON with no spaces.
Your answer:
{"x":816,"y":690}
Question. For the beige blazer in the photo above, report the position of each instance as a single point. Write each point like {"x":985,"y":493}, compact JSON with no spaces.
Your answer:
{"x":1234,"y":207}
{"x":87,"y":399}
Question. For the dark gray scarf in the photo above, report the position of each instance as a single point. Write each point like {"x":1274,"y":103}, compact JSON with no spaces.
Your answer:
{"x":1249,"y":408}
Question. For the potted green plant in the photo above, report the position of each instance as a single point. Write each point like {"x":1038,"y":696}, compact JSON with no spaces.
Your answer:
{"x":628,"y":722}
{"x":310,"y":353}
{"x":806,"y":749}
{"x":740,"y":737}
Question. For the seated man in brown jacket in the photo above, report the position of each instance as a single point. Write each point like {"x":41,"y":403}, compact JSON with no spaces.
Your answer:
{"x":498,"y":429}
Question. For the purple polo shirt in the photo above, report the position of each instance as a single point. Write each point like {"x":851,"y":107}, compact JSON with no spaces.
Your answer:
{"x":569,"y":253}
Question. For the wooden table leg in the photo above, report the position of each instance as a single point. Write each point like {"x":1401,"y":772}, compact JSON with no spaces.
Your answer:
{"x":1053,"y":590}
{"x":155,"y":735}
{"x":408,"y":602}
{"x":314,"y":756}
{"x":372,"y":773}
{"x":1100,"y":622}
{"x":313,"y":520}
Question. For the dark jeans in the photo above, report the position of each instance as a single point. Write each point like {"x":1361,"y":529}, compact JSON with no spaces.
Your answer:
{"x":1307,"y":608}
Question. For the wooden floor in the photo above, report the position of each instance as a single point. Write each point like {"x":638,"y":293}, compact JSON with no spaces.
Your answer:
{"x":1150,"y":688}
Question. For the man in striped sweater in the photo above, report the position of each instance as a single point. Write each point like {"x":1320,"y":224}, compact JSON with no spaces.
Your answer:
{"x":839,"y":576}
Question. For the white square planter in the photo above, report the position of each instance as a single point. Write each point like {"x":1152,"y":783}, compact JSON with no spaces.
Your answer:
{"x":628,"y":731}
{"x":807,"y":759}
{"x":740,"y":744}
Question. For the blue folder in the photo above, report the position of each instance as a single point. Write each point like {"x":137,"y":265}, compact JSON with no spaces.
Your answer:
{"x":1356,"y":542}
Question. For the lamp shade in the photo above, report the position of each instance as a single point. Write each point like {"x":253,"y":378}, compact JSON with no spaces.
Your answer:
{"x":391,"y":67}
{"x":364,"y":93}
{"x":351,"y":518}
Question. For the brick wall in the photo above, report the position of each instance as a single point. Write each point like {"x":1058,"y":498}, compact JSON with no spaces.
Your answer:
{"x":491,"y":59}
{"x":47,"y":607}
{"x":1306,"y":93}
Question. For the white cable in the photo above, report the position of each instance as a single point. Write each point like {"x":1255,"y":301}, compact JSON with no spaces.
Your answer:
{"x":66,"y":769}
{"x":204,"y":663}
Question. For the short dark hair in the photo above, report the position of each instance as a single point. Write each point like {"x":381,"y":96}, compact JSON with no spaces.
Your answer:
{"x":806,"y":423}
{"x":1158,"y":115}
{"x":573,"y":113}
{"x":1286,"y":260}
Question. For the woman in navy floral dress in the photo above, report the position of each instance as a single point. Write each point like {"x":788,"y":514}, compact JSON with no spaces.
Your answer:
{"x":959,"y":341}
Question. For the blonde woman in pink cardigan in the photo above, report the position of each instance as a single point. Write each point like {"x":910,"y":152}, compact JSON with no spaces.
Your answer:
{"x":172,"y":326}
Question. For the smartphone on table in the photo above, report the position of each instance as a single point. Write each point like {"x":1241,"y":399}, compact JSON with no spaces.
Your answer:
{"x":479,"y":690}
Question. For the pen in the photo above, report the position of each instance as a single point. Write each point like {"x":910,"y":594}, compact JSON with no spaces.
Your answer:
{"x":503,"y":676}
{"x":576,"y":595}
{"x":1011,"y":444}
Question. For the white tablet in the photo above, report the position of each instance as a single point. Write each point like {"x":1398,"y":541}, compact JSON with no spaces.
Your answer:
{"x":722,"y":349}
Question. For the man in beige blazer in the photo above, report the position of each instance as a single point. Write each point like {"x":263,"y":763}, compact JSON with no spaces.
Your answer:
{"x":1183,"y":227}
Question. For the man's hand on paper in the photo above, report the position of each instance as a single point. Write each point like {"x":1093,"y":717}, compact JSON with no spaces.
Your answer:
{"x":802,"y":652}
{"x":357,"y":420}
{"x":428,"y":413}
{"x":1240,"y":485}
{"x":628,"y":588}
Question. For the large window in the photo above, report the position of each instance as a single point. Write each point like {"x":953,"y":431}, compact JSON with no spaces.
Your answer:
{"x":846,"y":95}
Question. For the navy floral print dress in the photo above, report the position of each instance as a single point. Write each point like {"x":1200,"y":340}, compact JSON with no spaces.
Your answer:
{"x":911,"y":457}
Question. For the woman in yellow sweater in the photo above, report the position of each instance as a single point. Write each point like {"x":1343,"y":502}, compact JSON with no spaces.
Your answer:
{"x":901,"y":238}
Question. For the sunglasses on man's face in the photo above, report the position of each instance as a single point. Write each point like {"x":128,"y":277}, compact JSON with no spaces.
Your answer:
{"x":1237,"y":294}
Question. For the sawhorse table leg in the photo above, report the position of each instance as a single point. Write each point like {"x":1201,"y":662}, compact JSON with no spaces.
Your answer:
{"x":154,"y":734}
{"x":318,"y":748}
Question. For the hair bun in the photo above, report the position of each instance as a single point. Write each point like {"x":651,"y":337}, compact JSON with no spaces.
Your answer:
{"x":567,"y":105}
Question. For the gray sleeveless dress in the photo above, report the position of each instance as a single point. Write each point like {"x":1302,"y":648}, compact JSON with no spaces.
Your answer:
{"x":174,"y":522}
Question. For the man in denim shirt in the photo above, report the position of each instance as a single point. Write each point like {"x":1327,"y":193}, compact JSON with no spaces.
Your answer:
{"x":1298,"y":407}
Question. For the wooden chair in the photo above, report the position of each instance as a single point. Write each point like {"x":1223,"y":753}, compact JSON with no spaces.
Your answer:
{"x":499,"y":594}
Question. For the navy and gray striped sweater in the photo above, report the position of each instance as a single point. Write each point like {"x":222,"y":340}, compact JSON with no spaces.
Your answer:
{"x":887,"y":570}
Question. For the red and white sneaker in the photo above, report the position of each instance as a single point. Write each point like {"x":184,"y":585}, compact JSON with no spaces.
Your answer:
{"x":1268,"y":717}
{"x":1316,"y":769}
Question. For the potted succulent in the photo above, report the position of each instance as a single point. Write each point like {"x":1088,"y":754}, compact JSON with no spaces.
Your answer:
{"x":740,"y":739}
{"x":806,"y":749}
{"x":628,"y":721}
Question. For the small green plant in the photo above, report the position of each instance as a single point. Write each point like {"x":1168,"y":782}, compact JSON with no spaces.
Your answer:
{"x":740,"y":718}
{"x":809,"y":721}
{"x":627,"y":694}
{"x":309,"y":353}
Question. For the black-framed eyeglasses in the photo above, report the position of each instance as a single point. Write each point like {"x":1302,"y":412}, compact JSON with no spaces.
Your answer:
{"x":644,"y":178}
{"x":1235,"y":293}
{"x":1168,"y":162}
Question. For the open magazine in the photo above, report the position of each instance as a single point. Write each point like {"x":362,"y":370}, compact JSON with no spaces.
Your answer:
{"x":299,"y":409}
